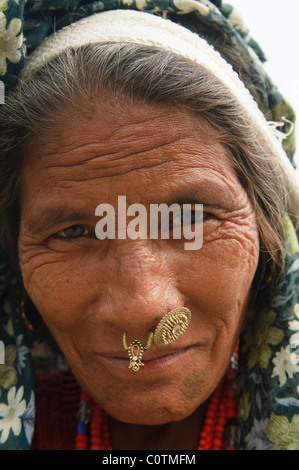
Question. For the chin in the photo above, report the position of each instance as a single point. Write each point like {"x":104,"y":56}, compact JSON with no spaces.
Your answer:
{"x":151,"y":414}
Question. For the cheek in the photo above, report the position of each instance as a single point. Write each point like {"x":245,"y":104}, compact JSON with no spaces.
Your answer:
{"x":61,"y":287}
{"x":230,"y":255}
{"x":218,"y":278}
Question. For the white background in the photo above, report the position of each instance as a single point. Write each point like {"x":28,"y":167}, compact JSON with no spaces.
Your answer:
{"x":274,"y":24}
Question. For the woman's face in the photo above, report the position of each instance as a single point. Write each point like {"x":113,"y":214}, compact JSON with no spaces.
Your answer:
{"x":90,"y":291}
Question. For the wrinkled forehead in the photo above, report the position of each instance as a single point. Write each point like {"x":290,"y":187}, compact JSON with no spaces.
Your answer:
{"x":114,"y":127}
{"x":114,"y":149}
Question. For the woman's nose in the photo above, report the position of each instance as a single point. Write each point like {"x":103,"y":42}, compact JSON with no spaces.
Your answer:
{"x":143,"y":290}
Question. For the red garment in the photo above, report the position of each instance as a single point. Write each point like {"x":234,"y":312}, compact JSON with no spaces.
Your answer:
{"x":57,"y":402}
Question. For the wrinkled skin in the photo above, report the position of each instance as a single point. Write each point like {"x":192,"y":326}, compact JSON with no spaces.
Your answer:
{"x":90,"y":291}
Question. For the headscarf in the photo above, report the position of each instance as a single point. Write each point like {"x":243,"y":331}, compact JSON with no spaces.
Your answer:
{"x":269,"y":361}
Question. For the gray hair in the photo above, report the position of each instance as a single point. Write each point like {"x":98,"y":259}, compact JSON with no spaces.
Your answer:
{"x":150,"y":74}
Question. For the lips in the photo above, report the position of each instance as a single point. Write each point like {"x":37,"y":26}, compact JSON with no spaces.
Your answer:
{"x":156,"y":355}
{"x":153,"y":358}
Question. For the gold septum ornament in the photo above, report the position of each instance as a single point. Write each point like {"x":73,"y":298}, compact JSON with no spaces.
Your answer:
{"x":170,"y":327}
{"x":136,"y":350}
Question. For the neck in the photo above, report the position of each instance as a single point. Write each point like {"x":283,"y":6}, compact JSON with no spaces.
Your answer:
{"x":182,"y":435}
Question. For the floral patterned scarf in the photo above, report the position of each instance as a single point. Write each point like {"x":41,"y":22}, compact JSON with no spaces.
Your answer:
{"x":269,"y":344}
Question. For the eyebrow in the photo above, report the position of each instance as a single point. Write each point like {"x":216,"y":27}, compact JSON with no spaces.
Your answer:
{"x":199,"y":194}
{"x":54,"y":217}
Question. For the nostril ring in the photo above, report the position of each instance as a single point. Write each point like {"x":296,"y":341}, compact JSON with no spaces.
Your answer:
{"x":172,"y":325}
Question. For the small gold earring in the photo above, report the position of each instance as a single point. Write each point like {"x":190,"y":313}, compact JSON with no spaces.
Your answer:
{"x":28,"y":323}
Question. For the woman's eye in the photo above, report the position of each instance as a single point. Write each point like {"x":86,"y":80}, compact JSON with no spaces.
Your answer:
{"x":179,"y":219}
{"x":188,"y":217}
{"x":75,"y":231}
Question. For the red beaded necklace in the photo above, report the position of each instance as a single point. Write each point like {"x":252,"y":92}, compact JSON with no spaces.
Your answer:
{"x":220,"y":431}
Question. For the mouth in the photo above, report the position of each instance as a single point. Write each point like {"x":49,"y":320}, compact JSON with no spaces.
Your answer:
{"x":151,"y":359}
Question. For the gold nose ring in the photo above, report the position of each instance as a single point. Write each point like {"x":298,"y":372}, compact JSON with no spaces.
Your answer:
{"x":170,"y":327}
{"x":136,"y":350}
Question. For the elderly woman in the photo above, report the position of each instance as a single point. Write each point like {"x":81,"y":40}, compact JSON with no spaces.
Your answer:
{"x":156,"y":345}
